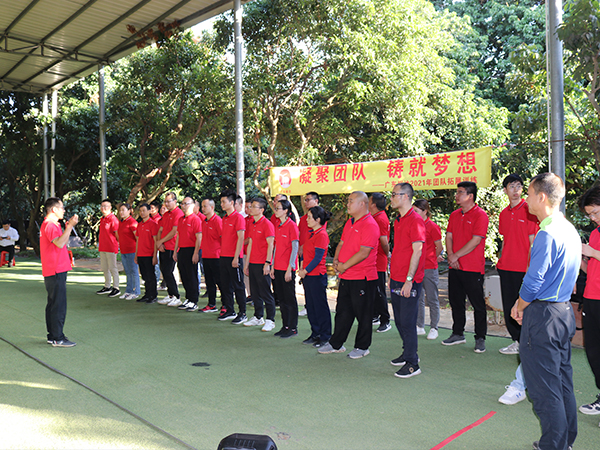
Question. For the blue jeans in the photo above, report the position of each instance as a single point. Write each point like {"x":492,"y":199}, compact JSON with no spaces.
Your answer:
{"x":132,"y":273}
{"x":519,"y":381}
{"x":405,"y":316}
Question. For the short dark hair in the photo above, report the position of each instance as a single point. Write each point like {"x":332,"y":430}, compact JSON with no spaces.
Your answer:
{"x":470,"y":187}
{"x":239,"y":200}
{"x":261,"y":201}
{"x":423,"y":205}
{"x":229,"y":194}
{"x":144,"y":204}
{"x":6,"y":222}
{"x":171,"y":194}
{"x":313,"y":194}
{"x":551,"y":185}
{"x":127,"y":205}
{"x":407,"y":189}
{"x":590,"y":197}
{"x":51,"y":203}
{"x":318,"y":212}
{"x":378,"y":200}
{"x":106,"y":200}
{"x":156,"y":204}
{"x":511,"y":179}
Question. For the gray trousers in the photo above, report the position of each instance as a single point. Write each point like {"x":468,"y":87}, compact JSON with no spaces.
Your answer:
{"x":430,"y":288}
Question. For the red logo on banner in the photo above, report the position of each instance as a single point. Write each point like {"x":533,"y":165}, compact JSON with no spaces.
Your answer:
{"x":285,"y":178}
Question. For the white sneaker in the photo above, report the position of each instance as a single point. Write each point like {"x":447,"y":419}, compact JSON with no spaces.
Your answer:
{"x":512,"y":396}
{"x":269,"y":325}
{"x":124,"y":296}
{"x":433,"y":334}
{"x":166,"y":300}
{"x":420,"y":331}
{"x":512,"y":349}
{"x":131,"y":297}
{"x":174,"y":302}
{"x":254,"y":322}
{"x":303,"y":312}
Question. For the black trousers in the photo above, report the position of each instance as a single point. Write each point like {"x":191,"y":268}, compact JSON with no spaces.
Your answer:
{"x":591,"y":332}
{"x":167,"y":266}
{"x":460,"y":285}
{"x":288,"y":305}
{"x":11,"y":251}
{"x":510,"y":284}
{"x":148,"y":275}
{"x":355,"y":301}
{"x":545,"y":351}
{"x":212,"y":278}
{"x":381,"y":304}
{"x":260,"y":286}
{"x":232,"y":282}
{"x":56,"y":306}
{"x":188,"y":271}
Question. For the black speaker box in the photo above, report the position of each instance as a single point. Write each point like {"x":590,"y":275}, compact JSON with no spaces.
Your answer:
{"x":238,"y":441}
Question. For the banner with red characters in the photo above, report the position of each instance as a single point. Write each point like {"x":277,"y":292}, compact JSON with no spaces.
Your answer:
{"x":438,"y":171}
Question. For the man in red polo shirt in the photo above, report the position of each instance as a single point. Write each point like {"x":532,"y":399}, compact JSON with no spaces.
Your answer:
{"x":407,"y":270}
{"x":108,"y":247}
{"x":257,"y":265}
{"x":465,"y":244}
{"x":166,"y":248}
{"x":211,"y":252}
{"x":55,"y":265}
{"x":355,"y":261}
{"x":187,"y":255}
{"x":377,"y":210}
{"x":145,"y":253}
{"x":232,"y":241}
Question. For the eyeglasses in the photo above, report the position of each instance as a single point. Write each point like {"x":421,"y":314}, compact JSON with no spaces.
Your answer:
{"x":593,"y":214}
{"x":187,"y":203}
{"x":398,"y":194}
{"x":308,"y":199}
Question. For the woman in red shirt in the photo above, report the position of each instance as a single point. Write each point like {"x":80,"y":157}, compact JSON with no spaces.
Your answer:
{"x":127,"y":227}
{"x":314,"y":276}
{"x":283,"y":268}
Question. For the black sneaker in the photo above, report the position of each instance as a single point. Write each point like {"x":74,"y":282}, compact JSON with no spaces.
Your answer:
{"x":399,"y":361}
{"x":104,"y":290}
{"x":239,"y":319}
{"x":63,"y":343}
{"x":248,"y":300}
{"x":151,"y":300}
{"x":319,"y":344}
{"x":114,"y":292}
{"x":479,"y":345}
{"x":310,"y":340}
{"x":142,"y":299}
{"x":592,"y":409}
{"x":288,"y":333}
{"x":280,"y":332}
{"x":408,"y":370}
{"x":226,"y":316}
{"x":384,"y":327}
{"x":455,"y":339}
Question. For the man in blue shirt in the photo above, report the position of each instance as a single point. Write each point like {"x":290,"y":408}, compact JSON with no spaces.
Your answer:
{"x":547,"y":319}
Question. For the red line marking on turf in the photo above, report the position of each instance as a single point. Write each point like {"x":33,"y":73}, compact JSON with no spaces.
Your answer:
{"x":465,"y":429}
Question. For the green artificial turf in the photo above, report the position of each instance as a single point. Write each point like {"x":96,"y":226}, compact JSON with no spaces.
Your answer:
{"x":141,"y":357}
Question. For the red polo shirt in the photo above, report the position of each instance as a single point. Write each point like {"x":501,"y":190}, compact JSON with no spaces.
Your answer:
{"x":592,"y":286}
{"x":316,"y":239}
{"x":54,"y":260}
{"x":384,"y":230}
{"x":146,"y":232}
{"x":211,"y":237}
{"x":259,"y":232}
{"x":187,"y":228}
{"x":127,"y":229}
{"x":433,"y":233}
{"x":408,"y":229}
{"x":363,"y":232}
{"x":463,"y":227}
{"x":274,"y":220}
{"x":248,"y":221}
{"x":303,"y":230}
{"x":285,"y":234}
{"x":156,"y":217}
{"x":169,"y":220}
{"x":232,"y":223}
{"x":516,"y":225}
{"x":107,"y":239}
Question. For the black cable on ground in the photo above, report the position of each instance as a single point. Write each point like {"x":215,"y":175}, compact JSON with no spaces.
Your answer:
{"x":103,"y":397}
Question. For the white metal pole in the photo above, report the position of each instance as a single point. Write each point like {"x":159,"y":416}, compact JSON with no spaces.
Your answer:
{"x":103,"y":182}
{"x":53,"y":144}
{"x":239,"y":115}
{"x":45,"y":146}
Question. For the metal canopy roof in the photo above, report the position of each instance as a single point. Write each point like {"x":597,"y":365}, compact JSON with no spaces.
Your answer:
{"x":45,"y":44}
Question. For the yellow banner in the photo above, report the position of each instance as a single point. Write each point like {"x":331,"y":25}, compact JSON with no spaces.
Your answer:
{"x":439,"y":171}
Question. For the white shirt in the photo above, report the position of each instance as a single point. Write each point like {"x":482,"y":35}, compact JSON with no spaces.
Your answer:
{"x":11,"y":234}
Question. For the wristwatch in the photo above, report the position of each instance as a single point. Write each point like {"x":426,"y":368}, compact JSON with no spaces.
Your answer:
{"x":409,"y":278}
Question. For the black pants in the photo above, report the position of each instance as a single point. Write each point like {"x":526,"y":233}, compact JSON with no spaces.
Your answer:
{"x":317,"y":308}
{"x":56,"y":307}
{"x":148,"y":275}
{"x":545,"y":350}
{"x":288,"y":305}
{"x":232,"y":281}
{"x":381,"y":304}
{"x":167,"y":266}
{"x":510,"y":284}
{"x":460,"y":285}
{"x":355,"y":301}
{"x":188,"y":271}
{"x":591,"y":333}
{"x":11,"y":252}
{"x":260,"y":286}
{"x":212,"y":278}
